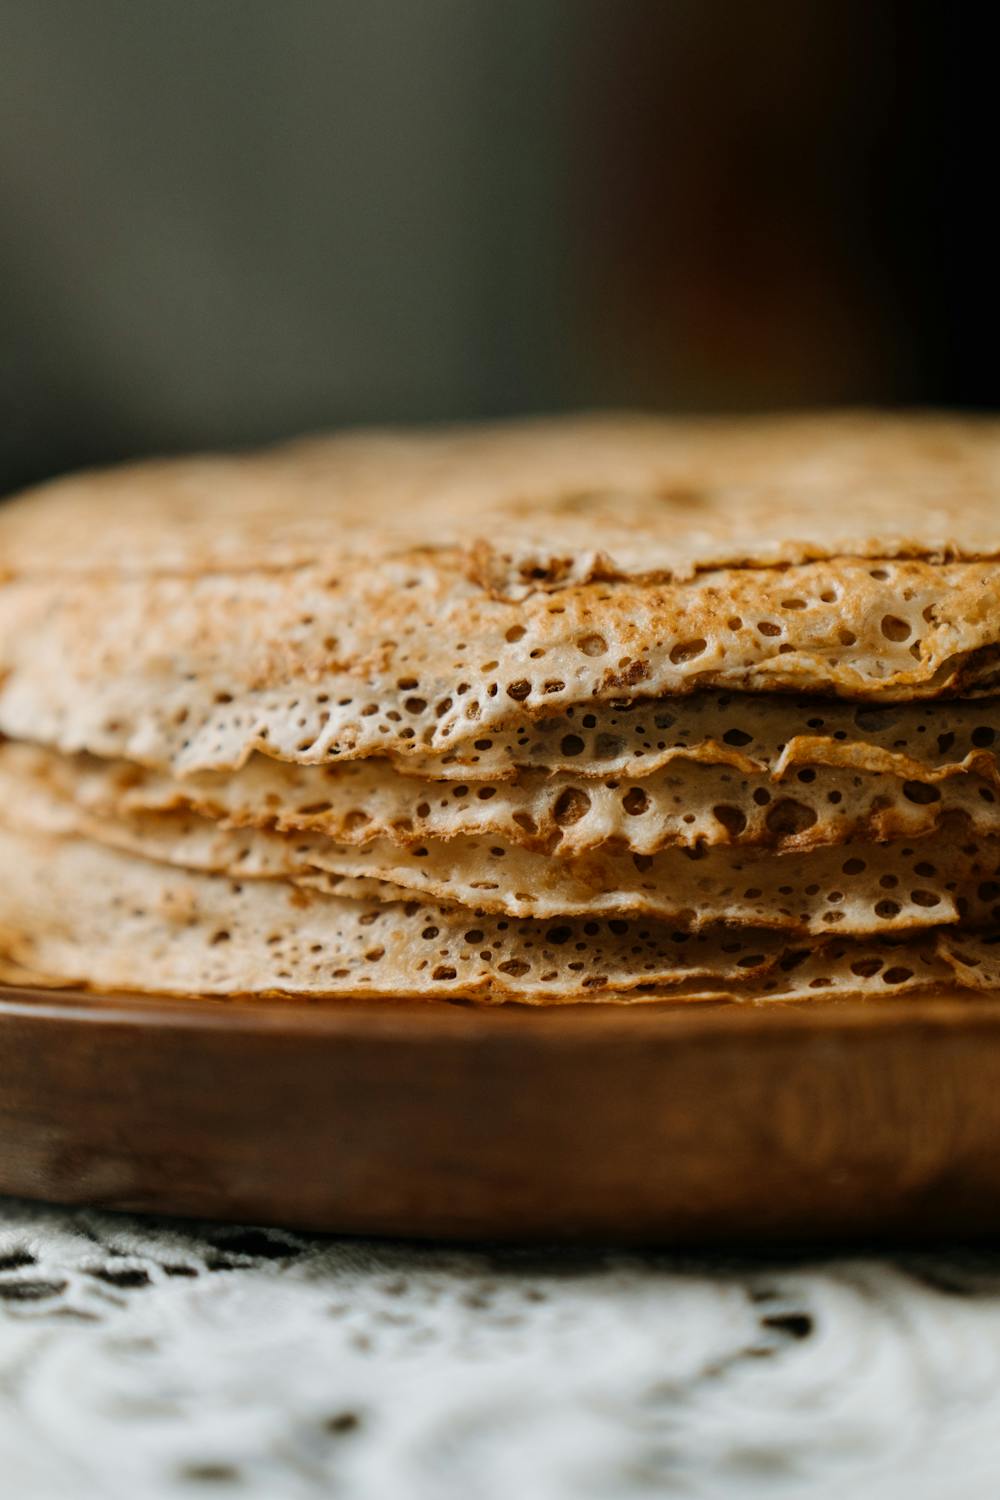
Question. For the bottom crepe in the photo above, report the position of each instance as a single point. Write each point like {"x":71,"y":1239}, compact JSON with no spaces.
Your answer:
{"x":73,"y":912}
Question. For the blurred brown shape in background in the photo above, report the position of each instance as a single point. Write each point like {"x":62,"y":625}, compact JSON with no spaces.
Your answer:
{"x":735,"y":251}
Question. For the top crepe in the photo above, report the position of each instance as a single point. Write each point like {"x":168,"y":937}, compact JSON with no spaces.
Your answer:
{"x":541,"y":503}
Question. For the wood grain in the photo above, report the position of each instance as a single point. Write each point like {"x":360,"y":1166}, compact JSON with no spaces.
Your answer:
{"x":673,"y":1125}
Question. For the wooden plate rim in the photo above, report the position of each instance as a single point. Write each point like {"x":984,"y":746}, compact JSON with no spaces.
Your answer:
{"x":425,"y":1020}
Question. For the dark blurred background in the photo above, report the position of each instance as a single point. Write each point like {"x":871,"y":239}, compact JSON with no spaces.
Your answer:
{"x":223,"y":221}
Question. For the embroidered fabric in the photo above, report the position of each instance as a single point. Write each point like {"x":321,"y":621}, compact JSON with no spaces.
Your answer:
{"x":154,"y":1360}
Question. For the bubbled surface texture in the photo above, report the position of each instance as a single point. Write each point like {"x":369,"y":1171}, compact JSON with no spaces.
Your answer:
{"x":178,"y":1361}
{"x":601,"y":709}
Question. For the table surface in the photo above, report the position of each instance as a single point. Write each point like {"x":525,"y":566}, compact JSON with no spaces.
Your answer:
{"x":153,"y":1360}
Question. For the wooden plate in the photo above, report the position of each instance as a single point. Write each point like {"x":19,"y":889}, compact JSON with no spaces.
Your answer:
{"x":673,"y":1125}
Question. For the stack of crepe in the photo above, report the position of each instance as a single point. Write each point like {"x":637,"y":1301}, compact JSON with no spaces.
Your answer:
{"x":603,"y":710}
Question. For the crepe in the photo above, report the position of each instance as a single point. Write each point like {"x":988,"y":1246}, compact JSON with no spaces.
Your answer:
{"x":687,"y":802}
{"x":571,"y":499}
{"x":664,"y":688}
{"x":82,"y":914}
{"x":860,"y":889}
{"x":763,"y":732}
{"x":196,"y":673}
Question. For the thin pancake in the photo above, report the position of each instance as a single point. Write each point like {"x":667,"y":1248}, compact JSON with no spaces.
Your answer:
{"x":764,"y":732}
{"x":542,"y":503}
{"x":413,"y":658}
{"x":684,"y":803}
{"x":80,"y":914}
{"x":857,"y":889}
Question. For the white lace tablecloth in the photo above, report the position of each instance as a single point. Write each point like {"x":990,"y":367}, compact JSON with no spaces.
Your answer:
{"x":148,"y":1360}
